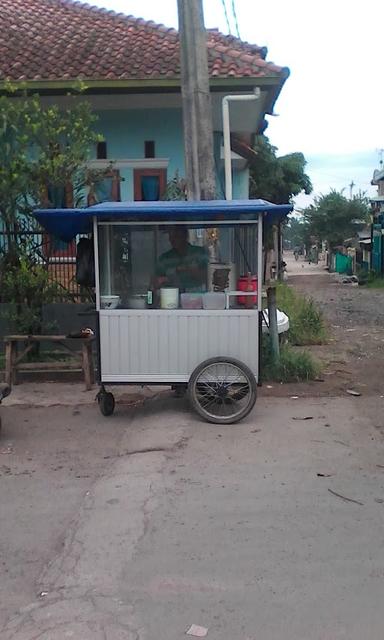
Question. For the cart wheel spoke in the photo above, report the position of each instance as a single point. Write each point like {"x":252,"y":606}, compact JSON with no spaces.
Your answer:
{"x":205,"y":405}
{"x":222,"y":390}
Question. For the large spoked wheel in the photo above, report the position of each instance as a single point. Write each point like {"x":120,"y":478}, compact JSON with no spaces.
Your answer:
{"x":222,"y":390}
{"x":106,"y":402}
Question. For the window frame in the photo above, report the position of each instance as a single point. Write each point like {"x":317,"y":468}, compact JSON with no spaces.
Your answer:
{"x":156,"y":173}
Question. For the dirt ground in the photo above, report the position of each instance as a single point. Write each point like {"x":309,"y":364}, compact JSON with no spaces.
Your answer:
{"x":353,"y":355}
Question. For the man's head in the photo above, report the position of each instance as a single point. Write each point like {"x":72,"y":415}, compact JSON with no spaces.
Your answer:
{"x":178,"y":238}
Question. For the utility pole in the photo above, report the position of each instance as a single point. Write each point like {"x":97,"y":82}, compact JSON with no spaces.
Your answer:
{"x":196,"y":99}
{"x":351,"y":189}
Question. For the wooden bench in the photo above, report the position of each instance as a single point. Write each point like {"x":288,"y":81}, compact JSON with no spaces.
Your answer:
{"x":13,"y":359}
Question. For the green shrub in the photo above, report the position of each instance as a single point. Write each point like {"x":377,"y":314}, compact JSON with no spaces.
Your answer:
{"x":373,"y":281}
{"x":306,"y":322}
{"x":370,"y":279}
{"x":26,"y":286}
{"x":293,"y":366}
{"x":365,"y":275}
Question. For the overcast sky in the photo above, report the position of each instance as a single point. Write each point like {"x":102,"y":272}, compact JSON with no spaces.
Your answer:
{"x":331,"y":107}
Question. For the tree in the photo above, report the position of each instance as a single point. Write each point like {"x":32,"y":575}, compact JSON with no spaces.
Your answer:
{"x":277,"y":178}
{"x":334,"y":218}
{"x":176,"y":189}
{"x":296,"y":232}
{"x":43,"y":149}
{"x":41,"y":146}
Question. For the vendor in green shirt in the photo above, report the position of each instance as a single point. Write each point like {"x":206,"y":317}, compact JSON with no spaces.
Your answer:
{"x":184,"y":266}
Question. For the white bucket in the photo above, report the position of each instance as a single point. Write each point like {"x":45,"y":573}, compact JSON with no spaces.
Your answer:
{"x":169,"y":298}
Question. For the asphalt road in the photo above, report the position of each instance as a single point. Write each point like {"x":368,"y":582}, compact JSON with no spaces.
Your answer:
{"x":137,"y":526}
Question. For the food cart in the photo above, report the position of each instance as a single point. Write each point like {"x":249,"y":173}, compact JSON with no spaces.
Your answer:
{"x":178,"y":289}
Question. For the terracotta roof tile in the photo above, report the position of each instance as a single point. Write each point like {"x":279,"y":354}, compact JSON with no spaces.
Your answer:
{"x":66,"y":39}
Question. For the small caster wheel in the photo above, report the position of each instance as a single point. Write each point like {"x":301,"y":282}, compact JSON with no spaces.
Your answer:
{"x":106,"y":403}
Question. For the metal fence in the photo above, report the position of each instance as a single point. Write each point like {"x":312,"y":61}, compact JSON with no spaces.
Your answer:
{"x":58,"y":258}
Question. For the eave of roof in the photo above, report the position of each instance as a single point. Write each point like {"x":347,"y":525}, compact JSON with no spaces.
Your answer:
{"x":271,"y":85}
{"x":90,"y":85}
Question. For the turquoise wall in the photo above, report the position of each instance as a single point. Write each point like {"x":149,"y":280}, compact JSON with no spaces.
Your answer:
{"x":126,"y":131}
{"x":240,"y":184}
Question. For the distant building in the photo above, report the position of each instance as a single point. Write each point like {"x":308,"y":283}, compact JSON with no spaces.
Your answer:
{"x":377,"y":254}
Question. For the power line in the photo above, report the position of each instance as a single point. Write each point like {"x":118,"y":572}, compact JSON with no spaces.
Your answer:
{"x":226,"y":15}
{"x":333,"y":176}
{"x":235,"y":18}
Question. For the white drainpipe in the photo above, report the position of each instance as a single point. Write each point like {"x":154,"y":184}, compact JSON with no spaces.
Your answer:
{"x":227,"y":135}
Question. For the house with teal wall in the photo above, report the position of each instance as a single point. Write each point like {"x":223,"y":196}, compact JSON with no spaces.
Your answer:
{"x":377,"y":226}
{"x":131,"y":70}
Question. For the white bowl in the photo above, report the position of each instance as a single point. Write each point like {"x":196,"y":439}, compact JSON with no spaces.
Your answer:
{"x":137,"y":301}
{"x":109,"y":302}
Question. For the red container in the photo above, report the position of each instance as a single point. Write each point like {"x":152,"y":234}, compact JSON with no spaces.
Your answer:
{"x":247,"y":283}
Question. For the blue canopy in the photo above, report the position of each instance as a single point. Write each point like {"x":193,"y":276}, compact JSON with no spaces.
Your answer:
{"x":67,"y":223}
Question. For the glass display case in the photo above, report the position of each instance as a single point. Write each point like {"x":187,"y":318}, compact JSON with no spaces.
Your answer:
{"x":177,"y":266}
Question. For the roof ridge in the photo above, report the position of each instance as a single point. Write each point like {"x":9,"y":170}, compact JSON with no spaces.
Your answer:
{"x":152,"y":25}
{"x":133,"y":20}
{"x":228,"y":55}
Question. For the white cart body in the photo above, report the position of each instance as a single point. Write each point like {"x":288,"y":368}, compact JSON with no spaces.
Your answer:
{"x":166,"y":346}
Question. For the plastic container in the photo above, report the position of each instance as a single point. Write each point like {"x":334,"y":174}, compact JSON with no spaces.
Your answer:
{"x":247,"y":283}
{"x":214,"y":300}
{"x":191,"y":301}
{"x":169,"y":298}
